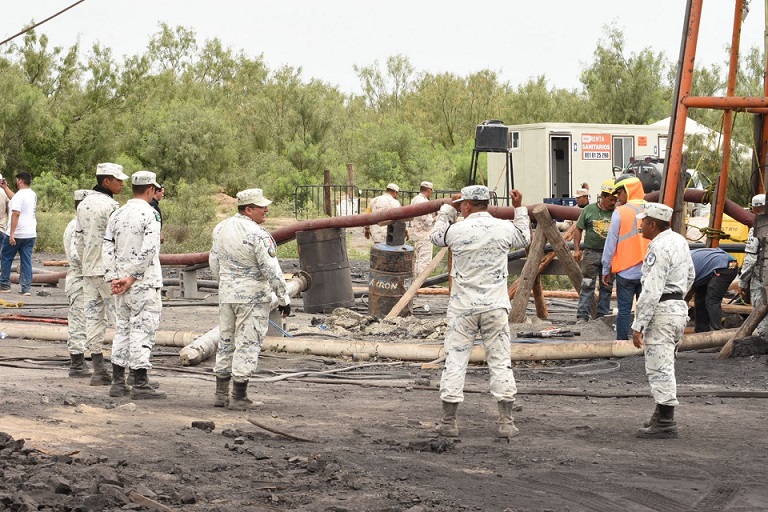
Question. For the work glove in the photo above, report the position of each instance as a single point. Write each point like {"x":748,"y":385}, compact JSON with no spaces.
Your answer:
{"x":284,"y":310}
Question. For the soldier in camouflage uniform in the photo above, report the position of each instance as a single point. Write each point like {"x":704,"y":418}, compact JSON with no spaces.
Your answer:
{"x":385,"y":201}
{"x":92,"y":217}
{"x":131,"y":252}
{"x":661,"y":313}
{"x":419,"y":231}
{"x":479,"y":301}
{"x":751,"y":281}
{"x":243,"y":259}
{"x":74,"y":289}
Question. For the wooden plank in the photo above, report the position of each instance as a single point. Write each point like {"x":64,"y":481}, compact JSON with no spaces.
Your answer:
{"x":745,"y":330}
{"x":527,"y":277}
{"x":414,"y":288}
{"x":547,"y":226}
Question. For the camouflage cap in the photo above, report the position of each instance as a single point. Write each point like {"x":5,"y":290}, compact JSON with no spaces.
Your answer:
{"x":144,"y":178}
{"x":426,"y":184}
{"x":581,"y":192}
{"x":81,"y":193}
{"x":758,"y":200}
{"x":253,"y":196}
{"x":393,"y":186}
{"x":474,"y":193}
{"x":656,"y":211}
{"x":110,"y":169}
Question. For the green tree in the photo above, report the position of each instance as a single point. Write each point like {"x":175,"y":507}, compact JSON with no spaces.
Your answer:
{"x":626,"y":89}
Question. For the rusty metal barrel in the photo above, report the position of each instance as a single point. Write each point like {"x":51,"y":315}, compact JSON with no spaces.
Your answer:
{"x":391,"y":275}
{"x":323,"y":255}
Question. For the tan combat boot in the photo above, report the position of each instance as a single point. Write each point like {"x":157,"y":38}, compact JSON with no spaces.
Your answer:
{"x":448,"y":426}
{"x":506,"y":422}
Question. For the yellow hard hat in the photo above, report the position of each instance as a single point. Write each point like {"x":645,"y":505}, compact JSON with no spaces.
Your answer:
{"x":607,"y":187}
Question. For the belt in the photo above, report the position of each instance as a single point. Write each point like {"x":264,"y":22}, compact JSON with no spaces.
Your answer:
{"x":671,"y":296}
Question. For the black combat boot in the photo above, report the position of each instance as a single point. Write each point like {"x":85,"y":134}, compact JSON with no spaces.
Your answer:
{"x":119,"y":387}
{"x":131,"y":380}
{"x":664,"y":427}
{"x":222,"y":392}
{"x":240,"y":400}
{"x":77,"y":367}
{"x":654,"y":417}
{"x":141,"y":390}
{"x":101,"y":376}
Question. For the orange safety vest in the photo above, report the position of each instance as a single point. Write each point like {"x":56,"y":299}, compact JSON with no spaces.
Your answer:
{"x":632,"y":247}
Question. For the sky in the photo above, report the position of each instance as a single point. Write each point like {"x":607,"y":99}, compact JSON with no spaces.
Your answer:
{"x":519,"y":39}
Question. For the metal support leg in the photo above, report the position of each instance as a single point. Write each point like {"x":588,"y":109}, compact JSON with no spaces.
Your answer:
{"x":188,"y":284}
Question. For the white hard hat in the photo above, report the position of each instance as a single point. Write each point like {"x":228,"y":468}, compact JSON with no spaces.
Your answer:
{"x":758,"y":200}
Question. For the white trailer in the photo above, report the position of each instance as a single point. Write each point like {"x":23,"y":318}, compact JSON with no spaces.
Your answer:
{"x":552,"y":160}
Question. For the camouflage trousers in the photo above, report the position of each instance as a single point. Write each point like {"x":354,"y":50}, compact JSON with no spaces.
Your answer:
{"x":138,"y":317}
{"x":243,"y":328}
{"x":493,"y":326}
{"x":75,"y":316}
{"x":756,"y":298}
{"x":422,"y":255}
{"x":660,"y":338}
{"x":99,"y":311}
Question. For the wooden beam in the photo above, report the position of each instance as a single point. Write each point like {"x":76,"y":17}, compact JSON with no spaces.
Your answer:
{"x":414,"y":288}
{"x":745,"y":330}
{"x":547,"y":226}
{"x":527,"y":277}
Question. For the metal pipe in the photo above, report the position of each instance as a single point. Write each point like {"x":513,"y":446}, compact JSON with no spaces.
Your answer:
{"x":205,"y":345}
{"x":724,"y":103}
{"x":733,"y":68}
{"x":402,"y":351}
{"x":673,"y":170}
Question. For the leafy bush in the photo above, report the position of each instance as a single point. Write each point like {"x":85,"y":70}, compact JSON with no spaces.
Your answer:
{"x":50,"y":230}
{"x":189,"y":216}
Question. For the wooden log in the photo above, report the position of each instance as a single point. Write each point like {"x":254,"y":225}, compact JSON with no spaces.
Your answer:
{"x":548,"y":227}
{"x":527,"y":277}
{"x":538,"y":298}
{"x":567,"y":236}
{"x":414,"y":288}
{"x":565,"y":294}
{"x":145,"y":502}
{"x":56,"y":263}
{"x":745,"y":330}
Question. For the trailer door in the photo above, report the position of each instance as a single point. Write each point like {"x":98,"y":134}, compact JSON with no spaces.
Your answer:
{"x":560,"y":165}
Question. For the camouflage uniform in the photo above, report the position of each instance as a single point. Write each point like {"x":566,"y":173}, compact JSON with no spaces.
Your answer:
{"x":667,"y":269}
{"x":132,"y":248}
{"x":380,"y":203}
{"x":74,"y":290}
{"x":419,"y":233}
{"x":479,"y":300}
{"x":243,"y":260}
{"x":750,"y":277}
{"x":92,"y":217}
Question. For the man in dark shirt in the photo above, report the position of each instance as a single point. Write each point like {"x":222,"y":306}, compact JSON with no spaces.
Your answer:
{"x":715,"y":270}
{"x":155,"y":203}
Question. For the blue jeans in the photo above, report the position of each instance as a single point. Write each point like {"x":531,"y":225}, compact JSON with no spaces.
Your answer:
{"x":626,"y":291}
{"x":24,"y":246}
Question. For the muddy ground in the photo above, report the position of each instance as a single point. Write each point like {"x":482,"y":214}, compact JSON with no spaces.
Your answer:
{"x":368,"y":441}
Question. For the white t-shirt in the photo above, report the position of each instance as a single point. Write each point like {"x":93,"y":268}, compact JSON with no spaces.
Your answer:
{"x":24,"y":202}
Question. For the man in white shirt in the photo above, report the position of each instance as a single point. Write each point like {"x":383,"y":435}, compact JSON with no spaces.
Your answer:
{"x":22,"y":234}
